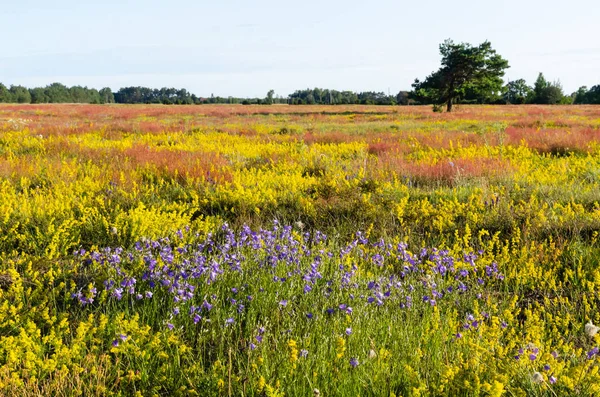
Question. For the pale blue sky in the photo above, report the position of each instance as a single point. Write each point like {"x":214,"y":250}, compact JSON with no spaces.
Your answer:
{"x":245,"y":48}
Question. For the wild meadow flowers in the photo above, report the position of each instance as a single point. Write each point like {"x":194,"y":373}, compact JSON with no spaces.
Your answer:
{"x":152,"y":250}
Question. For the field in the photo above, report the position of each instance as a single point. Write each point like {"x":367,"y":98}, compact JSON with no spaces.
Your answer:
{"x":309,"y":250}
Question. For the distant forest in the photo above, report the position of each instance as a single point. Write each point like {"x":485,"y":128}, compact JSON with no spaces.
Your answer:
{"x":514,"y":92}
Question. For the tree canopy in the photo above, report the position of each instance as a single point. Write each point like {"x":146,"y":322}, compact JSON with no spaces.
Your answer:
{"x":477,"y":70}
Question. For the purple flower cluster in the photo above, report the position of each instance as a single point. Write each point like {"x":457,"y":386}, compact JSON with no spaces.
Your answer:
{"x":192,"y":274}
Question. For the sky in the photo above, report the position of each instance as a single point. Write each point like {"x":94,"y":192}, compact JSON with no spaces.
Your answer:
{"x":245,"y":48}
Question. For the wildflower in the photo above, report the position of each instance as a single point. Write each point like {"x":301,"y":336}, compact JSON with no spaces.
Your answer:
{"x":537,"y":377}
{"x":252,"y":346}
{"x":309,"y":316}
{"x":261,"y":384}
{"x":283,"y":303}
{"x":354,"y":362}
{"x":372,"y":354}
{"x":303,"y":353}
{"x":230,"y":320}
{"x":170,"y":326}
{"x":348,"y":331}
{"x":546,"y":367}
{"x":552,"y":379}
{"x":592,"y":353}
{"x":316,"y":393}
{"x":532,"y":357}
{"x":591,"y":330}
{"x":341,"y":347}
{"x":293,"y":351}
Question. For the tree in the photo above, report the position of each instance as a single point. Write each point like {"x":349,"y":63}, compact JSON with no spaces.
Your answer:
{"x":106,"y":95}
{"x":547,"y":93}
{"x":20,"y":94}
{"x":5,"y":95}
{"x":517,"y":92}
{"x":269,"y":98}
{"x":593,"y":95}
{"x":585,"y":96}
{"x":38,"y":95}
{"x":58,"y":93}
{"x":464,"y":68}
{"x":403,"y":98}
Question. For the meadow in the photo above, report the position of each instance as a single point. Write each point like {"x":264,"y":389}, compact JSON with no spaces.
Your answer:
{"x":279,"y":250}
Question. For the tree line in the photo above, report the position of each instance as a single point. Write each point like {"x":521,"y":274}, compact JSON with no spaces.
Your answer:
{"x":468,"y":75}
{"x":55,"y":93}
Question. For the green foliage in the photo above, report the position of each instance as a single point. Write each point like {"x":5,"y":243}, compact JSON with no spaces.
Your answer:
{"x":5,"y":94}
{"x":476,"y":71}
{"x":20,"y":94}
{"x":547,"y":93}
{"x":319,"y":96}
{"x":269,"y":98}
{"x":585,"y":96}
{"x":517,"y":92}
{"x":106,"y":95}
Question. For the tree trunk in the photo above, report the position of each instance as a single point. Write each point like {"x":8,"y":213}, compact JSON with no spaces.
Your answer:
{"x":449,"y":105}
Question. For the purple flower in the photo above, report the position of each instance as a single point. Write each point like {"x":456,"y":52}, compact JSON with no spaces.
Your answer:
{"x":309,"y":316}
{"x":348,"y":331}
{"x":554,"y":354}
{"x":592,"y":353}
{"x":196,"y":318}
{"x":259,"y":338}
{"x":532,"y":356}
{"x":546,"y":367}
{"x":117,"y":293}
{"x":252,"y":346}
{"x":354,"y":362}
{"x":170,"y":326}
{"x":552,"y":380}
{"x":230,"y":320}
{"x":283,"y":303}
{"x":458,"y":335}
{"x":303,"y":353}
{"x":115,"y":343}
